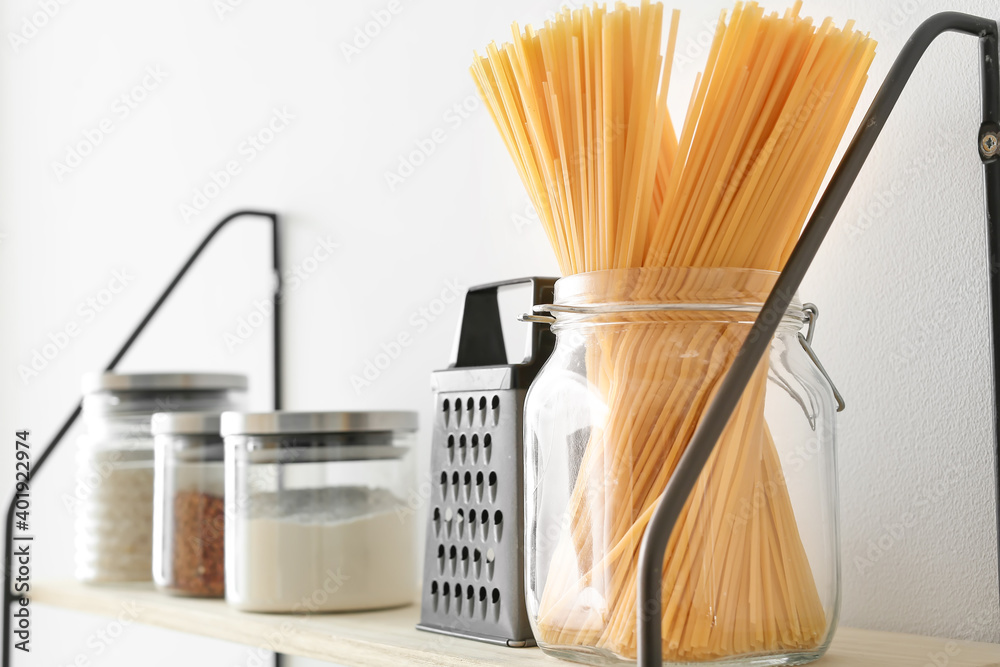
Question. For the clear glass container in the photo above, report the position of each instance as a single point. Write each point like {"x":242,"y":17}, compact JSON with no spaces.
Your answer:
{"x":113,"y":495}
{"x":318,"y":516}
{"x":189,"y":507}
{"x":752,"y":570}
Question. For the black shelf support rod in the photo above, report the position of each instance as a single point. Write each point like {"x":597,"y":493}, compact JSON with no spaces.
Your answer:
{"x":9,"y":597}
{"x":715,"y":418}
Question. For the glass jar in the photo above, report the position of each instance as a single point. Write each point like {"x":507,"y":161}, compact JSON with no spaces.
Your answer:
{"x":316,"y":513}
{"x":113,"y":496}
{"x":752,"y":571}
{"x":188,"y":507}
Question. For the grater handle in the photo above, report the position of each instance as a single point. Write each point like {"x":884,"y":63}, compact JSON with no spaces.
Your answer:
{"x":481,"y":342}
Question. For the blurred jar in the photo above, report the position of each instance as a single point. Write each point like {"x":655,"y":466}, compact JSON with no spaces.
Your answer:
{"x":114,"y":485}
{"x":752,"y":570}
{"x":189,"y":510}
{"x":318,"y":516}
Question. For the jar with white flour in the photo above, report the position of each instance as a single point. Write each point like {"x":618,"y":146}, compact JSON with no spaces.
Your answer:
{"x":316,"y":513}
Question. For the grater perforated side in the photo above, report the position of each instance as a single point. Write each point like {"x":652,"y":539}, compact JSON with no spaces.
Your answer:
{"x":474,"y":553}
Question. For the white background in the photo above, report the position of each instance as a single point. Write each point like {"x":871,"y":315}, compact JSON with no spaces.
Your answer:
{"x":901,"y":280}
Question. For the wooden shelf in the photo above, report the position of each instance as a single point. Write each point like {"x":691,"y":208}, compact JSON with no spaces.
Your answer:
{"x":388,"y":638}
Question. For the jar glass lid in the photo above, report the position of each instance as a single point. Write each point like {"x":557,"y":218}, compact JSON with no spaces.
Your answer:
{"x":186,"y":423}
{"x":98,"y":382}
{"x":285,"y":423}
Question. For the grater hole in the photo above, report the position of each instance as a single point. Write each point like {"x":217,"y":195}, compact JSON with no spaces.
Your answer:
{"x":437,"y":522}
{"x":461,"y":447}
{"x":453,"y":557}
{"x":458,"y":598}
{"x":475,"y":447}
{"x":480,"y":479}
{"x":493,"y":487}
{"x":459,"y":523}
{"x":447,"y":522}
{"x":495,"y":597}
{"x":497,"y":524}
{"x":490,"y":564}
{"x":496,"y":409}
{"x":484,"y":522}
{"x":468,"y":484}
{"x":470,"y":597}
{"x":477,"y":563}
{"x":451,"y":449}
{"x":482,"y":410}
{"x":487,"y":447}
{"x":482,"y":600}
{"x":454,"y":484}
{"x":465,"y":561}
{"x":470,"y":406}
{"x":441,"y":558}
{"x":472,"y":524}
{"x":458,"y":412}
{"x":446,"y":409}
{"x":444,"y":484}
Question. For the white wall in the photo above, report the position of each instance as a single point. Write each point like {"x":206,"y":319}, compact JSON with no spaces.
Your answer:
{"x":903,"y":291}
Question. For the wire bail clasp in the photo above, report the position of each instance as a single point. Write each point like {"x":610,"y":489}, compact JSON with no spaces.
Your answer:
{"x":811,"y":311}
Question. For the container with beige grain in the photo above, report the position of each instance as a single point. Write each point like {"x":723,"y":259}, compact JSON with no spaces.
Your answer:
{"x":113,"y":494}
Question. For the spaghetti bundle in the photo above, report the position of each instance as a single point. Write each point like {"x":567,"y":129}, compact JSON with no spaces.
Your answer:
{"x":581,"y":106}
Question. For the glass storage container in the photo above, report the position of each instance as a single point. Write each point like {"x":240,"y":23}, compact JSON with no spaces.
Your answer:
{"x":752,"y":571}
{"x":188,"y":510}
{"x":317,"y":513}
{"x":113,"y":496}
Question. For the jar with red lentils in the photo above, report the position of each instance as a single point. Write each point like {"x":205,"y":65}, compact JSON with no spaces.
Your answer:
{"x":188,"y":510}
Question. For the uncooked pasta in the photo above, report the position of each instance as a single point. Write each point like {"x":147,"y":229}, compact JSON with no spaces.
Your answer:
{"x":581,"y":105}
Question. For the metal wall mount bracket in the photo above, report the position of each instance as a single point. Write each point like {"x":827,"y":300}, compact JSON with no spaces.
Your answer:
{"x":715,"y":418}
{"x":9,"y":597}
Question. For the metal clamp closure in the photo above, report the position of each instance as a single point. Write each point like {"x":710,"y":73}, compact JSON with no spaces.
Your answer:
{"x":812,"y":314}
{"x":543,"y":316}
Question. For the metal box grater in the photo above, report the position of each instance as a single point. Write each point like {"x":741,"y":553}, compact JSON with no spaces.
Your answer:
{"x":474,"y":555}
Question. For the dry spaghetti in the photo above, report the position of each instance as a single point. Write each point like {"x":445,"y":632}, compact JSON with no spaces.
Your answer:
{"x":581,"y":105}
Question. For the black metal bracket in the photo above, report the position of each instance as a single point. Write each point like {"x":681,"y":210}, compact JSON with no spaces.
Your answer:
{"x":9,"y":597}
{"x":715,"y":418}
